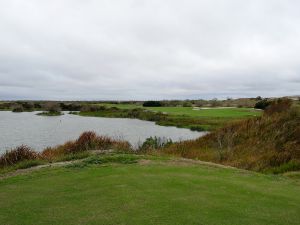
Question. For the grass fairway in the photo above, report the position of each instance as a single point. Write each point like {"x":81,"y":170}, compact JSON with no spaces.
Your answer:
{"x":189,"y":111}
{"x":148,"y":192}
{"x":184,"y":117}
{"x":212,"y":112}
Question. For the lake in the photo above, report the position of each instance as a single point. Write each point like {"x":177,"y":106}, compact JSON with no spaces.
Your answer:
{"x":40,"y":132}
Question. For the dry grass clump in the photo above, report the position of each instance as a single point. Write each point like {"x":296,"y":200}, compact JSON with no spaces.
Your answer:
{"x":16,"y":155}
{"x":87,"y":141}
{"x":90,"y":141}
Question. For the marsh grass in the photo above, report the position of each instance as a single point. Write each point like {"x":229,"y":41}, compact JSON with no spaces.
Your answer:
{"x":261,"y":144}
{"x":88,"y":140}
{"x":24,"y":157}
{"x":17,"y":155}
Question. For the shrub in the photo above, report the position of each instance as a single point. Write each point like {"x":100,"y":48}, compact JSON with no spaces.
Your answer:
{"x":18,"y":108}
{"x":152,"y":104}
{"x":278,"y":106}
{"x":155,"y":143}
{"x":262,"y":104}
{"x":86,"y":141}
{"x":197,"y":128}
{"x":28,"y":106}
{"x":52,"y":107}
{"x":289,"y":166}
{"x":16,"y":155}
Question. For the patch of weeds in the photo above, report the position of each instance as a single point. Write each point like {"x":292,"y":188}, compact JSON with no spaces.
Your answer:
{"x":102,"y":159}
{"x":28,"y":164}
{"x":75,"y":156}
{"x":198,"y":128}
{"x":290,"y":166}
{"x":78,"y":165}
{"x":122,"y":158}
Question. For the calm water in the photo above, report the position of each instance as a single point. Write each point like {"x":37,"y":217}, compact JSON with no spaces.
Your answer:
{"x":39,"y":132}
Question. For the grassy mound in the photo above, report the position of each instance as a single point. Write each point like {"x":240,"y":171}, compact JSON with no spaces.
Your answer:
{"x":71,"y":150}
{"x":119,"y":190}
{"x":267,"y":143}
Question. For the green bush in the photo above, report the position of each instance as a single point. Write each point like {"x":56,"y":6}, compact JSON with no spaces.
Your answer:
{"x":290,"y":166}
{"x":263,"y":104}
{"x":16,"y":155}
{"x":155,"y":143}
{"x":152,"y":104}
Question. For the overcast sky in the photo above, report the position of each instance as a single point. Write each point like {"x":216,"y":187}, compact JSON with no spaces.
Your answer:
{"x":154,"y":49}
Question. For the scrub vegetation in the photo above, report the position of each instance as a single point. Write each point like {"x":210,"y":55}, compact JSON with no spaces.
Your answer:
{"x":270,"y":143}
{"x":71,"y":150}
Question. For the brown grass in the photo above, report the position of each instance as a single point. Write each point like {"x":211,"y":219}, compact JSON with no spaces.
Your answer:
{"x":16,"y":155}
{"x":87,"y":141}
{"x":256,"y":144}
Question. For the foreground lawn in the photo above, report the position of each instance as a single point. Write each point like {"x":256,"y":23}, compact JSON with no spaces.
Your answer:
{"x":148,"y":192}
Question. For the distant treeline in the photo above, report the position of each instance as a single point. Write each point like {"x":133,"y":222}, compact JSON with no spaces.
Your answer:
{"x":19,"y":106}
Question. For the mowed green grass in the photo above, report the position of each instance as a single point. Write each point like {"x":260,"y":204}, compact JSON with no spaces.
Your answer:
{"x":212,"y":112}
{"x":191,"y":112}
{"x":159,"y":192}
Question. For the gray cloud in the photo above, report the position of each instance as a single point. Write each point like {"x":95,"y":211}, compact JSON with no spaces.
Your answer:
{"x":134,"y":49}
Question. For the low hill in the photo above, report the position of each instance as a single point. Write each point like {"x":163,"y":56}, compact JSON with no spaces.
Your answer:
{"x":267,"y":143}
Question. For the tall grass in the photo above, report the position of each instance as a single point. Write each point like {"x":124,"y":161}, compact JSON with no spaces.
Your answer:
{"x":17,"y":155}
{"x":257,"y":144}
{"x":88,"y":140}
{"x":70,"y":150}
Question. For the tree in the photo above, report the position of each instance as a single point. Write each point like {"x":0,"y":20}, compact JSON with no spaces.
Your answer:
{"x":152,"y":104}
{"x":18,"y":108}
{"x":52,"y":107}
{"x":263,"y":104}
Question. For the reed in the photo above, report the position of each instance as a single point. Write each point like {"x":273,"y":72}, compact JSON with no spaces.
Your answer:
{"x":70,"y":150}
{"x":17,"y":155}
{"x":259,"y":144}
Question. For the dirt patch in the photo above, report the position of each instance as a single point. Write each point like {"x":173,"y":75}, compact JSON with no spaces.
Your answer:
{"x":145,"y":161}
{"x":31,"y":169}
{"x":186,"y":162}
